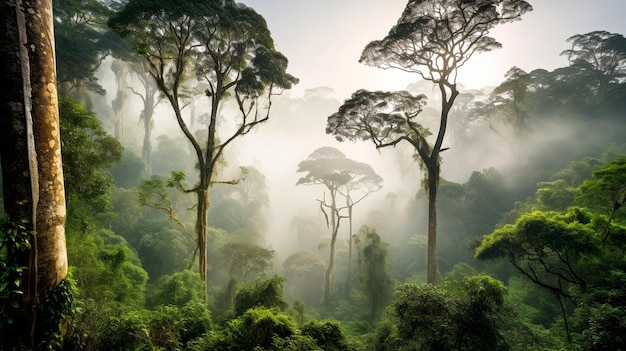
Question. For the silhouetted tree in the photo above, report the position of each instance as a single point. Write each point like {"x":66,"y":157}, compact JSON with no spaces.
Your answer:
{"x":433,"y":38}
{"x":330,"y":167}
{"x":601,"y":57}
{"x":223,"y":43}
{"x":509,"y":100}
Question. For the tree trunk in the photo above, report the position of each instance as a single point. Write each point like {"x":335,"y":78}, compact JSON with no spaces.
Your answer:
{"x":19,"y":161}
{"x":121,"y":71}
{"x":201,"y":231}
{"x":147,"y":114}
{"x":31,"y":155}
{"x":329,"y":280}
{"x":349,"y":275}
{"x":431,"y":254}
{"x":432,"y":166}
{"x":329,"y":273}
{"x":50,"y":225}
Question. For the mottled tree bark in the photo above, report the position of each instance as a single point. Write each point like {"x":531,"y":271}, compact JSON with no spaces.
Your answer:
{"x":50,"y":225}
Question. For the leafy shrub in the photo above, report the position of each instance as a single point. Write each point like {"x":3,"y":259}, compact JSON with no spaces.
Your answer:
{"x":327,"y":334}
{"x":196,"y":320}
{"x":127,"y":332}
{"x":177,"y":289}
{"x":258,"y":327}
{"x":465,"y":315}
{"x":265,"y":292}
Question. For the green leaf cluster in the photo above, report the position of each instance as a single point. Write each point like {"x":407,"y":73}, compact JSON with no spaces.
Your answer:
{"x":467,"y":315}
{"x":266,"y":293}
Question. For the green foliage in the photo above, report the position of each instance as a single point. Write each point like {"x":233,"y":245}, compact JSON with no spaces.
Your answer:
{"x":120,"y":328}
{"x":243,"y":260}
{"x":576,"y":253}
{"x":241,"y":207}
{"x":327,"y":334}
{"x":196,"y":320}
{"x":14,"y":242}
{"x":386,"y":117}
{"x":374,"y":274}
{"x":606,"y":189}
{"x":304,"y":274}
{"x":128,"y":331}
{"x":524,"y":336}
{"x":106,"y":270}
{"x":170,"y":154}
{"x":128,"y":212}
{"x":532,"y":303}
{"x":164,"y":252}
{"x":460,"y":271}
{"x":166,"y":325}
{"x":88,"y":152}
{"x":54,"y":307}
{"x":177,"y":289}
{"x":536,"y":231}
{"x":465,"y":315}
{"x":481,"y":314}
{"x":605,"y":329}
{"x":54,"y":310}
{"x":81,"y":42}
{"x":266,"y":293}
{"x":128,"y":172}
{"x":258,"y":328}
{"x":419,"y":311}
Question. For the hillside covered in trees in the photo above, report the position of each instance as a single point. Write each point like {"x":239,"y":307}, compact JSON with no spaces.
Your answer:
{"x":163,"y":190}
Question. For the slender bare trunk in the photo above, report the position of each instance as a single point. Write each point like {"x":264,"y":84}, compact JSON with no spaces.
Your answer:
{"x":349,"y":274}
{"x":147,"y":114}
{"x":201,"y":231}
{"x":330,"y":270}
{"x":121,"y":71}
{"x":431,"y":254}
{"x":448,"y":95}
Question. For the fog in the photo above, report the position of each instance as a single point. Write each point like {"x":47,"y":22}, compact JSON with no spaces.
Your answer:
{"x":474,"y":141}
{"x":297,"y":127}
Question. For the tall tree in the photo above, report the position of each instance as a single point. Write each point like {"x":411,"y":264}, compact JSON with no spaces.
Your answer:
{"x":340,"y":175}
{"x":374,"y":274}
{"x":601,"y":55}
{"x":225,"y":44}
{"x":433,"y":39}
{"x":508,"y":100}
{"x":121,"y":96}
{"x":577,"y":253}
{"x":82,"y":44}
{"x":32,"y":173}
{"x":364,"y":183}
{"x":149,"y":97}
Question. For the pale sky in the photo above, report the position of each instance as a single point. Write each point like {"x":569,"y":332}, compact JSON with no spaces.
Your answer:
{"x":323,"y":39}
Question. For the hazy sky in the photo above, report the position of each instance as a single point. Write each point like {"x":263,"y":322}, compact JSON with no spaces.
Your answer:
{"x":323,"y":39}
